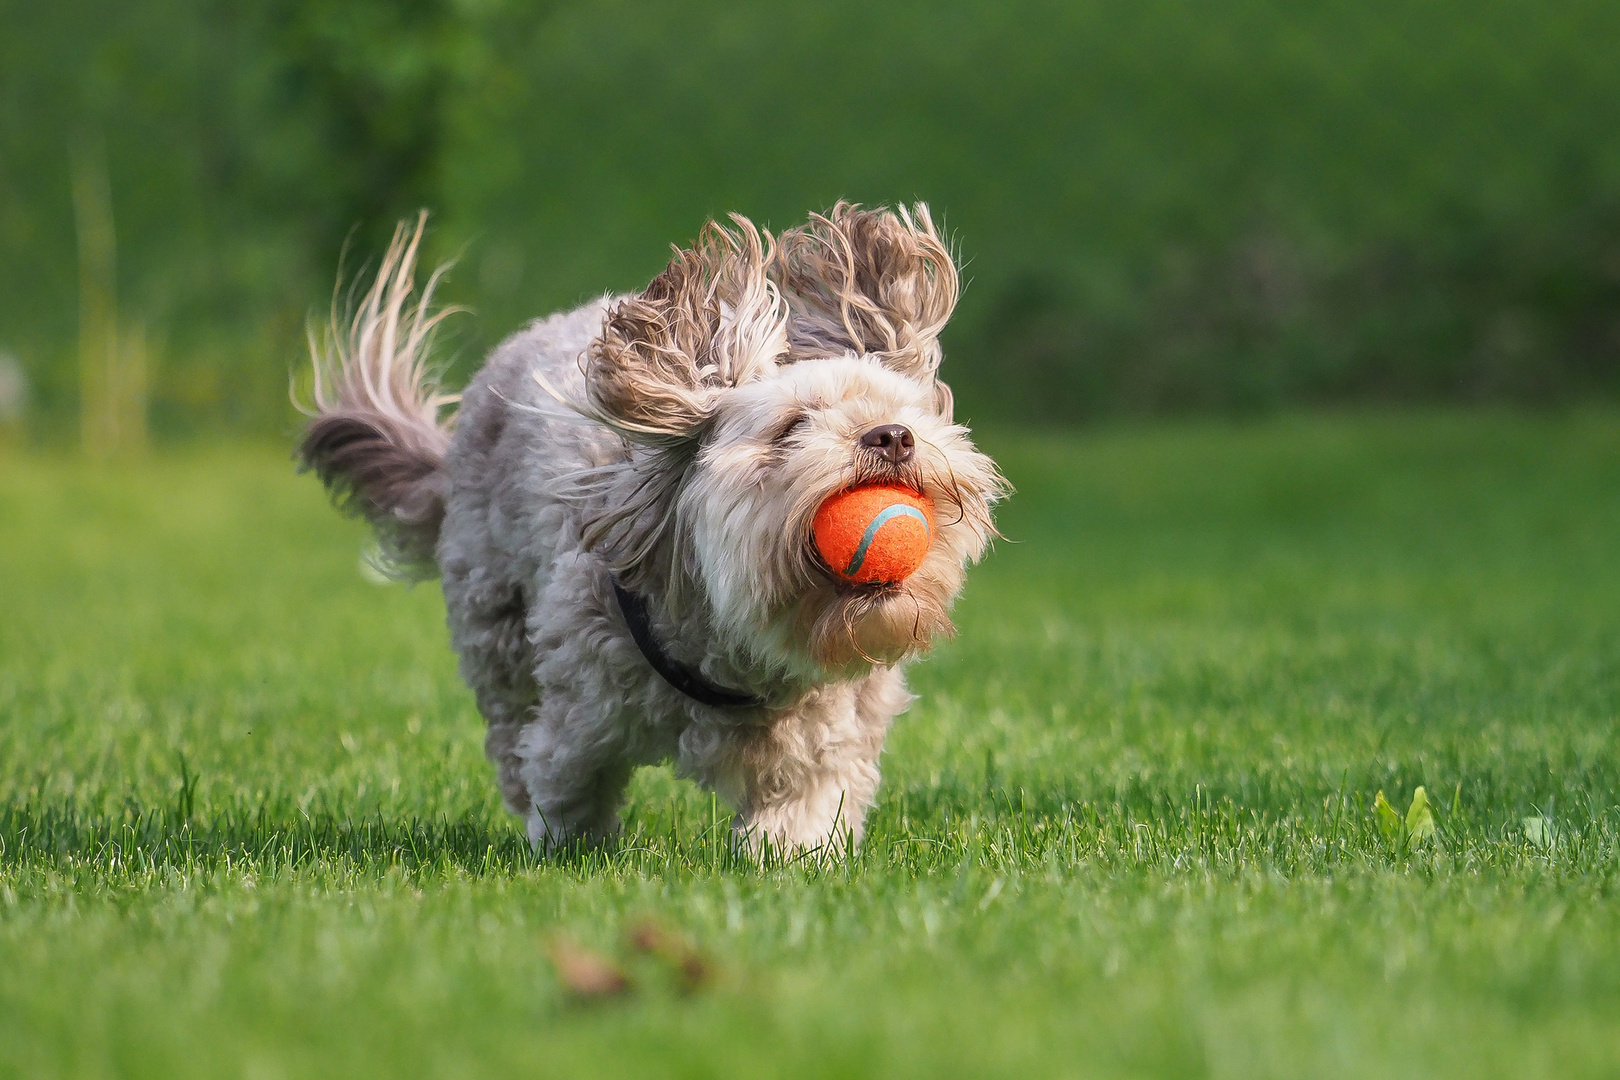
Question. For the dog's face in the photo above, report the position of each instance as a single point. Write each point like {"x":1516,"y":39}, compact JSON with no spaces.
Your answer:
{"x":781,"y":445}
{"x":760,"y":381}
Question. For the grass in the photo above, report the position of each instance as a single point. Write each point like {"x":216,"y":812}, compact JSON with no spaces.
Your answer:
{"x":246,"y":827}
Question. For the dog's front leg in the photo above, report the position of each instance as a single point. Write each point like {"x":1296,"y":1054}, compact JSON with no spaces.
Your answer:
{"x":806,"y":779}
{"x":823,"y":808}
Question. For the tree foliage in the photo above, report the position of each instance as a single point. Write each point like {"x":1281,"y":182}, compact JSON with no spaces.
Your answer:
{"x":1163,"y":206}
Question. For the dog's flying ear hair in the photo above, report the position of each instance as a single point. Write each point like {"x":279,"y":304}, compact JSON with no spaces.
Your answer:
{"x":880,"y":282}
{"x":712,"y":320}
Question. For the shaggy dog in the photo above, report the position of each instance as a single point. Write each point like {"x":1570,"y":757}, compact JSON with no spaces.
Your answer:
{"x":620,"y":515}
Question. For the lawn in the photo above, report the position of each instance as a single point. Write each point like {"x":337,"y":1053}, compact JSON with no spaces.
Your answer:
{"x":246,"y":828}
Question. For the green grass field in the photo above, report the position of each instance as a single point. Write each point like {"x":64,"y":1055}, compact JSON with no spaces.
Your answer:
{"x":246,"y":828}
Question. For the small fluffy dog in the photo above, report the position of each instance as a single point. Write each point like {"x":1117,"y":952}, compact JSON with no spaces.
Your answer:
{"x":620,"y":514}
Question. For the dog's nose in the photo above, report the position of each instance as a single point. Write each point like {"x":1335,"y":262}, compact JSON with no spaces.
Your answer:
{"x":892,"y":441}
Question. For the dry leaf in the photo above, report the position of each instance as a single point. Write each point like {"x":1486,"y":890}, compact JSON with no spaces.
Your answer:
{"x":692,"y":969}
{"x":584,"y":973}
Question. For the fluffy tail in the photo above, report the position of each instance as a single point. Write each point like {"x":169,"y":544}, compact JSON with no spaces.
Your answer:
{"x":375,"y":438}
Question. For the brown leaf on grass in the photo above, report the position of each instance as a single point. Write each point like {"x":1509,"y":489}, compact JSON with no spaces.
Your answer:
{"x":649,"y":937}
{"x":692,"y":969}
{"x":584,"y":973}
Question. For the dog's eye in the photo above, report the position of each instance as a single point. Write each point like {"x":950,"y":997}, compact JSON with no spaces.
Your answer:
{"x":788,"y":426}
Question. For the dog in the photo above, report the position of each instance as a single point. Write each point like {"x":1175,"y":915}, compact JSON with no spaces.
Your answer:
{"x":619,"y":512}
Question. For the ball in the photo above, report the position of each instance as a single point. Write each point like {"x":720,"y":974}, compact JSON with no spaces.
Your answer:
{"x":875,"y":534}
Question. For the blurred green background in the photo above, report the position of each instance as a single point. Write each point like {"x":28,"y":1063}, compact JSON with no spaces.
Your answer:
{"x":1163,"y":205}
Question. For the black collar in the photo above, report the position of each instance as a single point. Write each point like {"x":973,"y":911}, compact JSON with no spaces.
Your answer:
{"x":678,"y":675}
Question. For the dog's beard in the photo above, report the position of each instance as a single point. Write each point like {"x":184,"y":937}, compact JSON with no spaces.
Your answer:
{"x":846,"y":627}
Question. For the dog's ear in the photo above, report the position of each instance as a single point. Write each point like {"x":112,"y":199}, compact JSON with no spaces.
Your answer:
{"x":879,"y":282}
{"x":712,"y":320}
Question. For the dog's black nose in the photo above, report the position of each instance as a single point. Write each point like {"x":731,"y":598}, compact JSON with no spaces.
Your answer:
{"x":891,"y":441}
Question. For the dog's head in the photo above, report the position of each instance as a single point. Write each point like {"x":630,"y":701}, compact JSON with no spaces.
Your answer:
{"x":753,"y":380}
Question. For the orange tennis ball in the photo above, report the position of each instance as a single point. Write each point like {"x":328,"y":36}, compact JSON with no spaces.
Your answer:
{"x":874,"y":534}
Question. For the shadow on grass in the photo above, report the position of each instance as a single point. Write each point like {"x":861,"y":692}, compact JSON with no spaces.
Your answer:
{"x":280,"y":837}
{"x":917,"y":832}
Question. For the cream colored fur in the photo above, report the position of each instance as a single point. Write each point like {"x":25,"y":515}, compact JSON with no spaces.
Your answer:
{"x":680,"y":440}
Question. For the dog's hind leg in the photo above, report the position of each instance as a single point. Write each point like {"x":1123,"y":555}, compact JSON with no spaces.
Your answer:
{"x":487,"y":626}
{"x":557,"y":760}
{"x":573,"y":773}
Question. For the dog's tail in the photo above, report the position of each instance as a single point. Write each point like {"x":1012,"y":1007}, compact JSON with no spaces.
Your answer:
{"x":375,"y":437}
